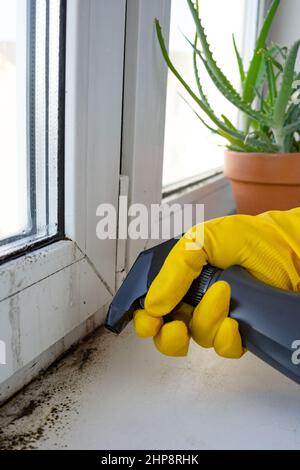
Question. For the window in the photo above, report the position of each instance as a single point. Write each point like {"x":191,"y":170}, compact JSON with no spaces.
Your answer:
{"x":190,"y":150}
{"x":31,"y":122}
{"x":52,"y":296}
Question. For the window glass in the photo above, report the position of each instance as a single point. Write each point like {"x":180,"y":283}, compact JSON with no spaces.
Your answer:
{"x":13,"y":158}
{"x":190,"y":149}
{"x":30,"y":33}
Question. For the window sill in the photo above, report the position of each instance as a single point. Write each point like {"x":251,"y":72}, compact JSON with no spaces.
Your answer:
{"x":191,"y":183}
{"x":103,"y":395}
{"x":213,"y":192}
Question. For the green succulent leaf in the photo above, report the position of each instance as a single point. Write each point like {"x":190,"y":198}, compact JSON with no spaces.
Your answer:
{"x":234,"y":148}
{"x":215,"y":69}
{"x":228,"y":122}
{"x":282,"y":50}
{"x":272,"y":122}
{"x":284,"y":94}
{"x":286,"y":88}
{"x":292,"y":114}
{"x":242,"y":144}
{"x":270,"y":55}
{"x":271,"y":83}
{"x":233,"y":137}
{"x":234,"y":98}
{"x":254,"y":67}
{"x":211,"y":129}
{"x":197,"y":77}
{"x":201,"y":104}
{"x":239,"y":60}
{"x":207,"y":110}
{"x":196,"y":71}
{"x":293,"y":127}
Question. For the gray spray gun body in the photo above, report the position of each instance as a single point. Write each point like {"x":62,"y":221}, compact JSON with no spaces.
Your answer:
{"x":269,"y":318}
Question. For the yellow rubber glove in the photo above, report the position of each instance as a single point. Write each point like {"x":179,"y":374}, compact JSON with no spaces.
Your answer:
{"x":267,"y":245}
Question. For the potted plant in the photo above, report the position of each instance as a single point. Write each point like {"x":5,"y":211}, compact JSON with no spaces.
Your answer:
{"x":262,"y":158}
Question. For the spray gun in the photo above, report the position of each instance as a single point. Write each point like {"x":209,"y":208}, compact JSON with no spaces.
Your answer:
{"x":269,"y":318}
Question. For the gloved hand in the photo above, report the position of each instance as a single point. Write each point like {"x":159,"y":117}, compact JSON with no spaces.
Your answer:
{"x":267,"y":245}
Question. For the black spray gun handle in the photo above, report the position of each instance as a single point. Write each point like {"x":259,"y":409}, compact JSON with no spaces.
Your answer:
{"x":269,"y":318}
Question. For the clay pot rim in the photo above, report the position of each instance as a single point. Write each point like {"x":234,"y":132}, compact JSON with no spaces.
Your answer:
{"x":263,"y":168}
{"x":264,"y":154}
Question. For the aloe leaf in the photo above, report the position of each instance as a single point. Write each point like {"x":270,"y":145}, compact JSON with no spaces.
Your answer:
{"x":282,"y":50}
{"x":206,"y":109}
{"x":293,"y":118}
{"x":234,"y":148}
{"x":232,"y":96}
{"x":263,"y":135}
{"x":238,"y":141}
{"x":197,"y":77}
{"x":292,"y":114}
{"x":261,"y":79}
{"x":171,"y":66}
{"x":244,"y":147}
{"x":293,"y":127}
{"x":269,"y":55}
{"x":235,"y":98}
{"x":254,"y":67}
{"x":214,"y":131}
{"x":286,"y":88}
{"x":225,"y":134}
{"x":215,"y":69}
{"x":297,"y":76}
{"x":228,"y":122}
{"x":211,"y":129}
{"x":196,"y":71}
{"x":271,"y":83}
{"x":231,"y":131}
{"x":280,"y":106}
{"x":264,"y":106}
{"x":239,"y":60}
{"x":215,"y":72}
{"x":232,"y":134}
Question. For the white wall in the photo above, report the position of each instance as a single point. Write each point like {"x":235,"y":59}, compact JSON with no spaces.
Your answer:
{"x":285,"y":29}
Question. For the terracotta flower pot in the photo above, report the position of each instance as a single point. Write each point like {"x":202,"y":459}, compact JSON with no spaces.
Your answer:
{"x":262,"y":182}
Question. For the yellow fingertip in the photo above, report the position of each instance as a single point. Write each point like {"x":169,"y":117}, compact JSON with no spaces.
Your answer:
{"x":210,"y":313}
{"x":146,"y":326}
{"x":173,"y":339}
{"x":228,"y":341}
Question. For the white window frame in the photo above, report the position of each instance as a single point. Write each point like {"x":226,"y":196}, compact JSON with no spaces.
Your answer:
{"x":144,"y":119}
{"x":51,"y":297}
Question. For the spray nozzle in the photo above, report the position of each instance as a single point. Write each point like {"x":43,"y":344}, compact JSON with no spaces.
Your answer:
{"x":131,"y":294}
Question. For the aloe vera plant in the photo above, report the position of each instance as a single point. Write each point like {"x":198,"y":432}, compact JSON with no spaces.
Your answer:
{"x":270,"y":110}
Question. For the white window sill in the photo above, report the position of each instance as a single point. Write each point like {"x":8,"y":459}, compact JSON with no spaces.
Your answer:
{"x":213,"y":191}
{"x":120,"y":393}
